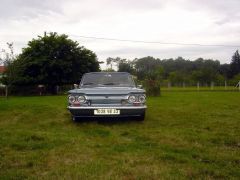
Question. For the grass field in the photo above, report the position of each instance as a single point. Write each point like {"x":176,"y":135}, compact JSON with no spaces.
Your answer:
{"x":185,"y":135}
{"x":202,"y":88}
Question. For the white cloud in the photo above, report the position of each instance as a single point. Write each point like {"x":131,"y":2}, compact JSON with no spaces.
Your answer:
{"x":181,"y":21}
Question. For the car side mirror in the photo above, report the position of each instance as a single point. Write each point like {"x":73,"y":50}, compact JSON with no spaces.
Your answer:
{"x":75,"y":86}
{"x":140,"y":86}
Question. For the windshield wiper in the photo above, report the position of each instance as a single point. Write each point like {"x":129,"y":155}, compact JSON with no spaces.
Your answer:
{"x":110,"y":83}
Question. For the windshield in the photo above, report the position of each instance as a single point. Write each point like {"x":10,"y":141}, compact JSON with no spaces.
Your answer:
{"x":107,"y":79}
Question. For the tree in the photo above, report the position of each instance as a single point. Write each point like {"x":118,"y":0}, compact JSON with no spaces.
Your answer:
{"x":224,"y":70}
{"x":126,"y":66}
{"x":144,"y":66}
{"x":235,"y":80}
{"x":53,"y":60}
{"x":108,"y":70}
{"x":220,"y":79}
{"x":177,"y":77}
{"x":115,"y":62}
{"x":235,"y":64}
{"x":110,"y":62}
{"x":204,"y":76}
{"x":6,"y":58}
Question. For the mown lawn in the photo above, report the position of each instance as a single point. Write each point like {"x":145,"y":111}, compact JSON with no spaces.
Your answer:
{"x":201,"y":88}
{"x":185,"y":135}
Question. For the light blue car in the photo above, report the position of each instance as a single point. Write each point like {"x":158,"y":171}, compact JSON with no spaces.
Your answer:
{"x":107,"y":94}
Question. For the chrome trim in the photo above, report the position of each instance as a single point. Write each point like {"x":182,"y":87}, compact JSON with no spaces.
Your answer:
{"x":107,"y":105}
{"x":109,"y":96}
{"x":104,"y":107}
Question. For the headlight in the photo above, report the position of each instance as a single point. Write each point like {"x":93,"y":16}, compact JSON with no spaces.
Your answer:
{"x":71,"y":99}
{"x":81,"y":99}
{"x":132,"y":99}
{"x":142,"y":98}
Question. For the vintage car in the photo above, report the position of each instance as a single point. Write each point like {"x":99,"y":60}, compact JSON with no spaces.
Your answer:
{"x":107,"y":94}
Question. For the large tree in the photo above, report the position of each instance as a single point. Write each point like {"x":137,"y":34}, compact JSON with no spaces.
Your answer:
{"x":53,"y":60}
{"x":125,"y":67}
{"x":235,"y":64}
{"x":144,"y":66}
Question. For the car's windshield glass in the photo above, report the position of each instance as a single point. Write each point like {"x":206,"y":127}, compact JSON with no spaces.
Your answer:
{"x":107,"y":79}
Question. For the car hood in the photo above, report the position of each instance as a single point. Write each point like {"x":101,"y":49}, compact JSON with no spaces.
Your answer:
{"x":106,"y":90}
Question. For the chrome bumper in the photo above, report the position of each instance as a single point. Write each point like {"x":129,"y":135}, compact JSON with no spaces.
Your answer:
{"x":106,"y":107}
{"x":125,"y":111}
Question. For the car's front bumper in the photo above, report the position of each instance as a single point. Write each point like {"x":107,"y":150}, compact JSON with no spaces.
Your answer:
{"x":125,"y":111}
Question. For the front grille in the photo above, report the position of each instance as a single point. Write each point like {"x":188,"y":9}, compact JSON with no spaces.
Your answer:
{"x":106,"y":99}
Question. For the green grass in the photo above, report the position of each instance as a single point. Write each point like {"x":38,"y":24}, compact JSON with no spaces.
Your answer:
{"x":185,"y":135}
{"x":201,"y":88}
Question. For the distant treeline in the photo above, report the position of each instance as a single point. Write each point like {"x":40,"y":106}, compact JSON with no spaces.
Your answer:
{"x":53,"y":60}
{"x":180,"y":70}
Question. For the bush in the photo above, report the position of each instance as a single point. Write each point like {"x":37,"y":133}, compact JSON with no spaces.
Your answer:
{"x":152,"y":87}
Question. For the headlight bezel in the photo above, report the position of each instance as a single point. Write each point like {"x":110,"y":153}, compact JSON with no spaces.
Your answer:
{"x":143,"y":100}
{"x":132,"y":96}
{"x":136,"y":98}
{"x":73,"y":99}
{"x":83,"y":99}
{"x":77,"y":99}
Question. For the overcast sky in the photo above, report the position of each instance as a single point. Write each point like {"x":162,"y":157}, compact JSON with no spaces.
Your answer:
{"x":208,"y":22}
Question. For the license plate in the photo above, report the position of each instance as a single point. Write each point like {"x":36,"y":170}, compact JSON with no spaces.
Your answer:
{"x":106,"y":112}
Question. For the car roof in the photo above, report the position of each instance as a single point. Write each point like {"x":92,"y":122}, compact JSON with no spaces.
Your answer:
{"x":107,"y":73}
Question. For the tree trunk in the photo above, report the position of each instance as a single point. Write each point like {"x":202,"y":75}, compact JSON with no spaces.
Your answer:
{"x":6,"y":91}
